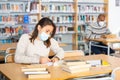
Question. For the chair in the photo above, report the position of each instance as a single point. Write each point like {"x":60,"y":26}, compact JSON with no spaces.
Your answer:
{"x":9,"y":58}
{"x":10,"y":50}
{"x":10,"y":54}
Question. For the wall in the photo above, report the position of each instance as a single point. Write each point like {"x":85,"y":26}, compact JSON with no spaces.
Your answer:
{"x":113,"y":17}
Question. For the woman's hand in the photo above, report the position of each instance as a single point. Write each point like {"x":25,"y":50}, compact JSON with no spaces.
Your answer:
{"x":44,"y":60}
{"x":54,"y":59}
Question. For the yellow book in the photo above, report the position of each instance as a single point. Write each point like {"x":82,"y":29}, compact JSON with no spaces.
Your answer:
{"x":105,"y":63}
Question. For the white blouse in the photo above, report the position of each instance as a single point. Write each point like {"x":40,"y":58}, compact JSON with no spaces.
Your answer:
{"x":28,"y":52}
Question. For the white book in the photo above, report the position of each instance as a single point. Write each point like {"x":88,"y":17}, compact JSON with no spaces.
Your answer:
{"x":36,"y":72}
{"x":32,"y":69}
{"x":74,"y":62}
{"x":76,"y":70}
{"x":73,"y":67}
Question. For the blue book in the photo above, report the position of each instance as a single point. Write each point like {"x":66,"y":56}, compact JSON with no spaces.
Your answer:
{"x":26,"y":19}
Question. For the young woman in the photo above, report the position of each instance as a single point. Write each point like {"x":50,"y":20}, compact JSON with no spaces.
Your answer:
{"x":35,"y":48}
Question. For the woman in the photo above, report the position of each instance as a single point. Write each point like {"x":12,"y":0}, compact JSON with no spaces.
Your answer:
{"x":35,"y":48}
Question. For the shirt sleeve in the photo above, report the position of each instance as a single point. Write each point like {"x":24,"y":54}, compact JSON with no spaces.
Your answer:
{"x":89,"y":33}
{"x":20,"y":54}
{"x":59,"y":52}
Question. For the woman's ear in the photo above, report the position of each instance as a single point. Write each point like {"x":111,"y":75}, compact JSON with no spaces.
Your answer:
{"x":39,"y":28}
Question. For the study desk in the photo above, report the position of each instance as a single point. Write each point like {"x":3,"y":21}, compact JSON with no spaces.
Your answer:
{"x":13,"y":71}
{"x":103,"y":40}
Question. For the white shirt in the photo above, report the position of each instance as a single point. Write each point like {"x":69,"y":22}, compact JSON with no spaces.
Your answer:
{"x":28,"y":52}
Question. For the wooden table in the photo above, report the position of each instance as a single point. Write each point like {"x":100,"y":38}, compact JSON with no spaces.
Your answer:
{"x":13,"y":71}
{"x":103,"y":40}
{"x":3,"y":47}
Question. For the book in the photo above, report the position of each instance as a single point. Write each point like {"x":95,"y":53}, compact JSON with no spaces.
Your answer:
{"x":76,"y":70}
{"x":73,"y":67}
{"x":35,"y":72}
{"x":32,"y":69}
{"x":26,"y":19}
{"x":20,"y":19}
{"x":33,"y":19}
{"x":74,"y":62}
{"x":39,"y":76}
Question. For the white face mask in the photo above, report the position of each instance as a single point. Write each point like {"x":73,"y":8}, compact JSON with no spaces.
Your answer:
{"x":43,"y":36}
{"x":101,"y":23}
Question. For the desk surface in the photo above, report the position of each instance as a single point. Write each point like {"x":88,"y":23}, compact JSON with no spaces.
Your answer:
{"x":111,"y":40}
{"x":3,"y":47}
{"x":13,"y":71}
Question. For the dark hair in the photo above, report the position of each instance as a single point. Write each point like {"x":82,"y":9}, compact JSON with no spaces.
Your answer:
{"x":101,"y":15}
{"x":43,"y":22}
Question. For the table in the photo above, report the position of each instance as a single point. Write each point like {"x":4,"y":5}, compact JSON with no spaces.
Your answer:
{"x":108,"y":41}
{"x":13,"y":71}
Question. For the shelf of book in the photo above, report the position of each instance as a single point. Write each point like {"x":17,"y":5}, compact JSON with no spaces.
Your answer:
{"x":88,"y":11}
{"x":68,"y":15}
{"x":17,"y":17}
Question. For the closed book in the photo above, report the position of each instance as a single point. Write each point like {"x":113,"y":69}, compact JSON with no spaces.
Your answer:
{"x":76,"y":70}
{"x":33,"y":69}
{"x":36,"y":72}
{"x":39,"y":76}
{"x":73,"y":67}
{"x":74,"y":62}
{"x":26,"y":19}
{"x":20,"y":19}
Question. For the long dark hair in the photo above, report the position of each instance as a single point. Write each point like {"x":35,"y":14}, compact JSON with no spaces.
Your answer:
{"x":43,"y":22}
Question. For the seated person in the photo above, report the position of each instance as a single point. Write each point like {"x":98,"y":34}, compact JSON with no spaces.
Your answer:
{"x":35,"y":47}
{"x":98,"y":30}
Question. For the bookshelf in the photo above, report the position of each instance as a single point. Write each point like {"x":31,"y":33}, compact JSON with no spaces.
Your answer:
{"x":70,"y":16}
{"x":88,"y":10}
{"x":62,"y":12}
{"x":17,"y":17}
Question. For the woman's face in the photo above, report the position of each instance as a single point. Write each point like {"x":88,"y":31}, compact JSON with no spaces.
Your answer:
{"x":48,"y":29}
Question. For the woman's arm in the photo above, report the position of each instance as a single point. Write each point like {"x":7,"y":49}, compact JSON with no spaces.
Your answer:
{"x":56,"y":49}
{"x":20,"y":54}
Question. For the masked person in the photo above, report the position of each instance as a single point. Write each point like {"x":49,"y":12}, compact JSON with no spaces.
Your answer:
{"x":97,"y":30}
{"x":35,"y":47}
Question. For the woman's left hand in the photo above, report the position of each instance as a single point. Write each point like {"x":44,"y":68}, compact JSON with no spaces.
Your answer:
{"x":54,"y":59}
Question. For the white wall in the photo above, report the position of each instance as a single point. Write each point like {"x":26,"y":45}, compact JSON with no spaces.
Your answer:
{"x":113,"y":17}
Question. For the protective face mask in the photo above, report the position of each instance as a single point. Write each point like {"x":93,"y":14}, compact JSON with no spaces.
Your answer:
{"x":101,"y":23}
{"x":43,"y":36}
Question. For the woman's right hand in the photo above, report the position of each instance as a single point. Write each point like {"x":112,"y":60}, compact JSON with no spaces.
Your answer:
{"x":44,"y":60}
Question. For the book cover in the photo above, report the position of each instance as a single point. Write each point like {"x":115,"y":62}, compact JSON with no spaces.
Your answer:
{"x":74,"y":62}
{"x":73,"y":67}
{"x":35,"y":72}
{"x":76,"y":70}
{"x":26,"y":19}
{"x":33,"y":69}
{"x":33,"y":19}
{"x":20,"y":19}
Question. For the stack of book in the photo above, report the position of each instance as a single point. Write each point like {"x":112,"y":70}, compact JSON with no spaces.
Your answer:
{"x":36,"y":72}
{"x":75,"y":66}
